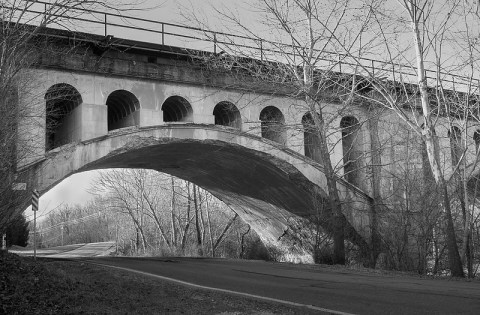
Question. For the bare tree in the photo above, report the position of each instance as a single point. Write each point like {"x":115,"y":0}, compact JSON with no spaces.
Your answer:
{"x":21,"y":25}
{"x":421,"y":101}
{"x":301,"y":36}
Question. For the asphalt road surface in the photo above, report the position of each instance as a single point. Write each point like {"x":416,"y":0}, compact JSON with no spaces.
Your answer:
{"x":356,"y":292}
{"x":71,"y":251}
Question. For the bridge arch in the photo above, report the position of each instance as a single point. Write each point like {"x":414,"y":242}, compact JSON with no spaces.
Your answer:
{"x":177,"y":109}
{"x":272,"y":188}
{"x":273,"y":124}
{"x":122,"y":109}
{"x":61,"y":100}
{"x":227,"y":114}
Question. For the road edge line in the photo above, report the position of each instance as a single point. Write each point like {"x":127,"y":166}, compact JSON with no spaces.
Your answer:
{"x":312,"y":307}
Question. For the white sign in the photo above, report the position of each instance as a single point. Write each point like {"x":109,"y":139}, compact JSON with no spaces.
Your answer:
{"x":19,"y":186}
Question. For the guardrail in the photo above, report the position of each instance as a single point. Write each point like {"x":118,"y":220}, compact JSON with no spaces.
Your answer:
{"x":107,"y":23}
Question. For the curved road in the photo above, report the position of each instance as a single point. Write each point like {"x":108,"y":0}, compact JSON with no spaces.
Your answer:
{"x":71,"y":251}
{"x":342,"y":291}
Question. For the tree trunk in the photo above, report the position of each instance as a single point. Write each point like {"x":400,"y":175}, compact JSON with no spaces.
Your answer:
{"x":431,"y":140}
{"x":338,"y":224}
{"x":200,"y":210}
{"x":376,"y":175}
{"x":157,"y":220}
{"x":172,"y":214}
{"x":197,"y":221}
{"x":225,"y":230}
{"x":210,"y":228}
{"x":187,"y":224}
{"x":242,"y":242}
{"x":453,"y":256}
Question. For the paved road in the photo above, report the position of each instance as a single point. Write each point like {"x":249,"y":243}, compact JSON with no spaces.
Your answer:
{"x":345,"y":291}
{"x":71,"y":251}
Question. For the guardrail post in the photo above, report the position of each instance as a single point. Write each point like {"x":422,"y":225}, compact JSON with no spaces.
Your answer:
{"x":261,"y":50}
{"x":214,"y":43}
{"x":106,"y":24}
{"x":163,"y":33}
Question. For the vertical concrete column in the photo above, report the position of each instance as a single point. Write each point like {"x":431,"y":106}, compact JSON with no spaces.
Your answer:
{"x":252,"y":127}
{"x":364,"y":144}
{"x":150,"y":117}
{"x":93,"y":121}
{"x":374,"y":158}
{"x":295,"y":139}
{"x":201,"y":118}
{"x":31,"y":130}
{"x":335,"y":145}
{"x":442,"y":131}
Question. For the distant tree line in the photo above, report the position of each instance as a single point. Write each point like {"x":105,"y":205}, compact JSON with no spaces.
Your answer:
{"x":150,"y":213}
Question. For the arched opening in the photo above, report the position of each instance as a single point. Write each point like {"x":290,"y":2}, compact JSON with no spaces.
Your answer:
{"x":352,"y":151}
{"x":61,"y":100}
{"x":476,"y":138}
{"x":455,"y":135}
{"x":227,"y":114}
{"x":121,"y":110}
{"x":177,"y":109}
{"x":311,"y":141}
{"x":273,"y":124}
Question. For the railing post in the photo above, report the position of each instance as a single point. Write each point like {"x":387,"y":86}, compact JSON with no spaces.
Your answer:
{"x":261,"y":50}
{"x":163,"y":33}
{"x":214,"y":43}
{"x":106,"y":24}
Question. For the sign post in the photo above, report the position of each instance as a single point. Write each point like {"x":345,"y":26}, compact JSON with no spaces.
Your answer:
{"x":35,"y":203}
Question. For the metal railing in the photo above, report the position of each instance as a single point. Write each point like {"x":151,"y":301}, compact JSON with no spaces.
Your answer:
{"x":107,"y":23}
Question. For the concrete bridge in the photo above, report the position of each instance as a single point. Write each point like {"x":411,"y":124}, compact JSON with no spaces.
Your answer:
{"x":128,"y":104}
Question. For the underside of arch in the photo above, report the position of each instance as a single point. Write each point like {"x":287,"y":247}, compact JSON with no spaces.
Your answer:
{"x":265,"y":185}
{"x":121,"y":106}
{"x":177,"y":109}
{"x":60,"y":102}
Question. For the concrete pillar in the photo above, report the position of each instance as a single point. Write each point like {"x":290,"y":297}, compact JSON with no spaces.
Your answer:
{"x":295,"y":140}
{"x":150,"y":117}
{"x":203,"y":119}
{"x":31,"y":131}
{"x":93,"y":121}
{"x":253,"y":127}
{"x":335,"y":145}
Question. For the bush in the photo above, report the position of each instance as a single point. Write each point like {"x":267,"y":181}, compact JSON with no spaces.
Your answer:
{"x":258,"y":251}
{"x":323,"y":255}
